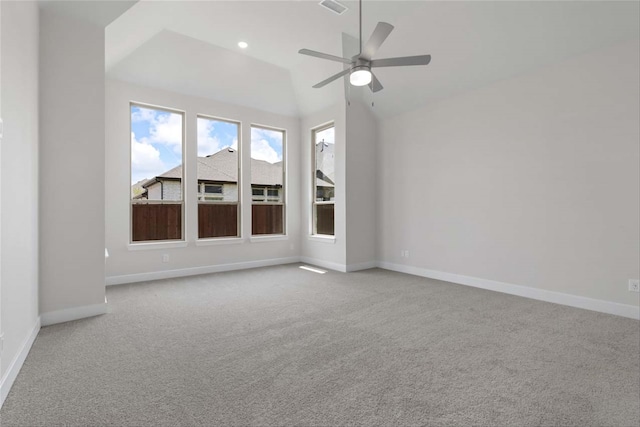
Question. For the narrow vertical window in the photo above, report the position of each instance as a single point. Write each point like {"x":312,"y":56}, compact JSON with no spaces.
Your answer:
{"x":267,"y":181}
{"x":324,"y":180}
{"x":218,"y":178}
{"x":157,"y":175}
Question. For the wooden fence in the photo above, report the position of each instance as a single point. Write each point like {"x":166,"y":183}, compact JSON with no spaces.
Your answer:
{"x":163,"y":221}
{"x":267,"y":219}
{"x":156,"y":221}
{"x":217,"y":220}
{"x":325,"y":222}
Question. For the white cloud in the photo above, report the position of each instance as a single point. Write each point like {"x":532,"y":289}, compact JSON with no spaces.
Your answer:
{"x":261,"y":150}
{"x":143,"y":115}
{"x":145,"y":160}
{"x":207,"y":144}
{"x":273,"y":136}
{"x":166,"y":129}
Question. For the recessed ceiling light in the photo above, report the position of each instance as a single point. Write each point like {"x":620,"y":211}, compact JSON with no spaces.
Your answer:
{"x":243,"y":45}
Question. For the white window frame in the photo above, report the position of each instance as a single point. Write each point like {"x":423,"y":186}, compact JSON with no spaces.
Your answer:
{"x":283,"y":189}
{"x":155,"y":243}
{"x":202,"y":195}
{"x":314,"y":202}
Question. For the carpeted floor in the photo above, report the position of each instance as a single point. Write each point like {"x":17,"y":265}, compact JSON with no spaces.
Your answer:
{"x":284,"y":346}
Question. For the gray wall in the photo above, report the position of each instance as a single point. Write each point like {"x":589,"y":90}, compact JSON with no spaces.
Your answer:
{"x":531,"y":181}
{"x":72,"y":157}
{"x":19,"y":177}
{"x":362,"y":191}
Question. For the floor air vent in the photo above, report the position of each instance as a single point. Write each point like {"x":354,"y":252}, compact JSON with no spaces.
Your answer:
{"x":334,"y":6}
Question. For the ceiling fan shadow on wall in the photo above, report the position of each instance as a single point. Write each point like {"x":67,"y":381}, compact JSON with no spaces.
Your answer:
{"x":361,"y":64}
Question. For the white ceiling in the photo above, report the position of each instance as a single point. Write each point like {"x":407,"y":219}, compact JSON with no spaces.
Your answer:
{"x":182,"y":46}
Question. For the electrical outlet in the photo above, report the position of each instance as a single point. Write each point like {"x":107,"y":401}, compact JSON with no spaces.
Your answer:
{"x":406,"y":254}
{"x":165,"y":258}
{"x":634,"y":285}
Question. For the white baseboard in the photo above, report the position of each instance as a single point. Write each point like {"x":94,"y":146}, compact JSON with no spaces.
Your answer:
{"x":169,"y":274}
{"x":609,"y":307}
{"x":361,"y":266}
{"x":16,"y":364}
{"x":74,"y":313}
{"x":324,"y":264}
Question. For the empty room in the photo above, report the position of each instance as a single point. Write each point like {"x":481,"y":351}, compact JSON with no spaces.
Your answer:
{"x":319,"y":213}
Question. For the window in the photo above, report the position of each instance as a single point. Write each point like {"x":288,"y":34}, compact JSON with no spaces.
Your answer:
{"x":265,"y":194}
{"x":213,"y":188}
{"x":218,"y":178}
{"x":157,"y":140}
{"x":324,"y":180}
{"x":267,"y":181}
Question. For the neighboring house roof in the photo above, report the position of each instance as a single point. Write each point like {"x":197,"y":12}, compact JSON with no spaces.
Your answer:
{"x":322,"y":183}
{"x":223,"y":167}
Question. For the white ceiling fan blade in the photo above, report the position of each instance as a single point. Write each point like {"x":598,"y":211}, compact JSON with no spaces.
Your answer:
{"x":375,"y":84}
{"x":378,"y":37}
{"x":332,"y":78}
{"x":324,"y":56}
{"x":401,"y":61}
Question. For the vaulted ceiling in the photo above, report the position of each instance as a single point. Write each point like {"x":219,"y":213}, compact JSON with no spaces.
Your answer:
{"x":191,"y":47}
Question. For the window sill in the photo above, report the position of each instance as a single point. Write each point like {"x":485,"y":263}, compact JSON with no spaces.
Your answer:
{"x":322,"y":238}
{"x":256,"y":239}
{"x":219,"y":241}
{"x":156,"y":245}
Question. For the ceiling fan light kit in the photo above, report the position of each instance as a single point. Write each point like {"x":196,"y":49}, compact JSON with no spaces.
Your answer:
{"x":360,"y":65}
{"x":360,"y":76}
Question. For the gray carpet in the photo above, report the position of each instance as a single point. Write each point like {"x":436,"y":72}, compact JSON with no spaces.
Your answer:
{"x":283,"y":346}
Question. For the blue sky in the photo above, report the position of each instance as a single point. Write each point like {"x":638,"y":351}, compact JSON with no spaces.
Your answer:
{"x":156,"y":141}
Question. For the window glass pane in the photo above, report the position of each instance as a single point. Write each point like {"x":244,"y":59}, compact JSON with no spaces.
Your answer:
{"x":324,"y":181}
{"x":156,"y":174}
{"x":325,"y":165}
{"x":267,"y":170}
{"x":156,"y":154}
{"x":213,"y":189}
{"x":218,"y":183}
{"x":218,"y":158}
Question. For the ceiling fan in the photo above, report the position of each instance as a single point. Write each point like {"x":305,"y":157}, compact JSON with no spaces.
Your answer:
{"x":360,"y":65}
